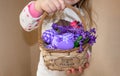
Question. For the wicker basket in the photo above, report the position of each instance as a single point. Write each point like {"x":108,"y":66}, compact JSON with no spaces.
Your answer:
{"x":62,"y":60}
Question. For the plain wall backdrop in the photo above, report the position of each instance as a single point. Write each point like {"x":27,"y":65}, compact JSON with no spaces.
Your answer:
{"x":19,"y":53}
{"x":14,"y":51}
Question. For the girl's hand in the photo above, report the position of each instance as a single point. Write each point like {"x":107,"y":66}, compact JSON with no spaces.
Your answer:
{"x":80,"y":70}
{"x":50,"y":6}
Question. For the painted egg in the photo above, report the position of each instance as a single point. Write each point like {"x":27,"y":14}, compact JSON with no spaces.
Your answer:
{"x":64,"y":42}
{"x":48,"y":35}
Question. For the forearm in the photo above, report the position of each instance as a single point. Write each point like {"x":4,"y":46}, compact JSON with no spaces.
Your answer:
{"x":29,"y":17}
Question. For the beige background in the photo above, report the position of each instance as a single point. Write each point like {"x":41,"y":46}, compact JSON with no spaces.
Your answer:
{"x":19,"y":52}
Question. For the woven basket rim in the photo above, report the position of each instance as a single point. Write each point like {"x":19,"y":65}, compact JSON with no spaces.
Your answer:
{"x":85,"y":47}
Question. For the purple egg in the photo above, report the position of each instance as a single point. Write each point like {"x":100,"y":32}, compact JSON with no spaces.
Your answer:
{"x":48,"y":35}
{"x":64,"y":42}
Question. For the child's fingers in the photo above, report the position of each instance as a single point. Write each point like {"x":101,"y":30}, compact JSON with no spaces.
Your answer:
{"x":46,"y":6}
{"x":51,"y":7}
{"x":68,"y":71}
{"x":80,"y":69}
{"x":57,"y":4}
{"x":62,"y":2}
{"x":73,"y":70}
{"x":86,"y":65}
{"x":48,"y":9}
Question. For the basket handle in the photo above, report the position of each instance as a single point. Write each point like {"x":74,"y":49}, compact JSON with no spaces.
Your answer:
{"x":45,"y":14}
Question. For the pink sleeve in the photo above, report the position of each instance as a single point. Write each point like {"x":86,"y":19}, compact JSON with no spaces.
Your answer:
{"x":34,"y":13}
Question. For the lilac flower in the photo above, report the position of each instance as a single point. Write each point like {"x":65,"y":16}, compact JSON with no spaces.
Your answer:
{"x":54,"y":26}
{"x":61,"y":30}
{"x":80,"y":24}
{"x":76,"y":37}
{"x":92,"y":40}
{"x":93,"y":30}
{"x":83,"y":35}
{"x":81,"y":42}
{"x":88,"y":33}
{"x":80,"y":49}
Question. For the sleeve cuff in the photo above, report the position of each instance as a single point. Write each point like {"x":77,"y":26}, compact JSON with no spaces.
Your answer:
{"x":34,"y":13}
